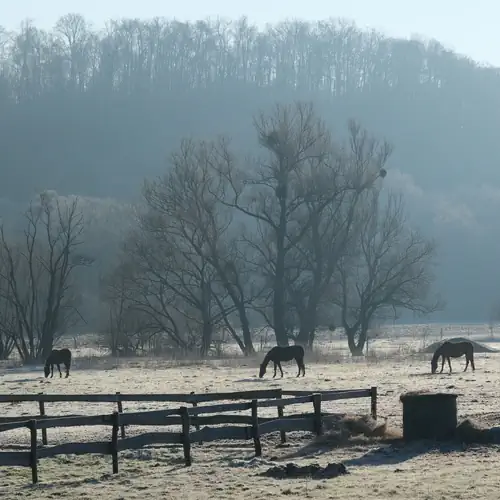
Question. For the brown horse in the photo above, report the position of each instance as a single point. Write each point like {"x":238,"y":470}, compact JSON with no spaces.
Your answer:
{"x":284,"y":353}
{"x":453,"y":350}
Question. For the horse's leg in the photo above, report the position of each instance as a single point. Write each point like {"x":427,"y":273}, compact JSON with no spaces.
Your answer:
{"x":449,"y":363}
{"x":466,"y":363}
{"x":281,"y":369}
{"x":303,"y":368}
{"x":442,"y":364}
{"x":59,"y":368}
{"x":275,"y":367}
{"x":472,"y":363}
{"x":51,"y":371}
{"x":298,"y":364}
{"x":67,"y":370}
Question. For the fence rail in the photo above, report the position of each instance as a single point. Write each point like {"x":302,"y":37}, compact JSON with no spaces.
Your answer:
{"x":250,"y":426}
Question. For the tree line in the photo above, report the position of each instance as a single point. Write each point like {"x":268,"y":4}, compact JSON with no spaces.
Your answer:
{"x":299,"y":236}
{"x":132,"y":55}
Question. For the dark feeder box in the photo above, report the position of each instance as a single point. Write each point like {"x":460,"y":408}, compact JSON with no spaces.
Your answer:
{"x":429,"y":416}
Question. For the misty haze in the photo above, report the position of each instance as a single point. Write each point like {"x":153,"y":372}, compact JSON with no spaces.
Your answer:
{"x":186,"y":189}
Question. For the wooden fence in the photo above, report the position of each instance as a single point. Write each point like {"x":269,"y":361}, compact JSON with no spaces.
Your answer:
{"x":250,"y":426}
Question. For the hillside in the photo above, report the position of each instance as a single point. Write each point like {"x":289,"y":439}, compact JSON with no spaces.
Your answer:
{"x":98,"y":113}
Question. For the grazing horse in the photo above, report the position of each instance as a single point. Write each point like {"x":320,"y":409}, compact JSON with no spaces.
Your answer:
{"x":453,"y":350}
{"x":56,"y":357}
{"x":279,"y":353}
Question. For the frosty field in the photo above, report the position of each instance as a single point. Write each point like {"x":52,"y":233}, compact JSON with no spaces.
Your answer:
{"x":227,"y":470}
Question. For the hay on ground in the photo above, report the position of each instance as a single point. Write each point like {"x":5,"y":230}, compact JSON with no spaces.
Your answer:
{"x":342,"y":430}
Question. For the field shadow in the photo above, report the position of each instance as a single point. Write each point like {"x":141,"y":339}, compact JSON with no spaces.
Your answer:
{"x":399,"y":452}
{"x":23,"y":369}
{"x":245,"y":380}
{"x":22,"y":380}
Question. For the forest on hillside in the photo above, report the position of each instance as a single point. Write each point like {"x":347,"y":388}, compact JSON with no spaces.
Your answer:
{"x":94,"y":113}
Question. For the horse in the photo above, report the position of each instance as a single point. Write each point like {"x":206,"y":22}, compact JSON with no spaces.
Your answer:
{"x":286,"y":353}
{"x":56,"y":357}
{"x":453,"y":350}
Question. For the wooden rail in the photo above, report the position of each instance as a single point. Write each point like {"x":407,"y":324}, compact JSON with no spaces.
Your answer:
{"x":251,"y":426}
{"x":193,"y":399}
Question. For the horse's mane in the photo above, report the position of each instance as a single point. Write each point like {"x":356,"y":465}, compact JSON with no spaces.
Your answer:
{"x":266,"y":359}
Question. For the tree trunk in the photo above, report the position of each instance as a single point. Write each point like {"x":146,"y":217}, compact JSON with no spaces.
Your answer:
{"x":245,"y":324}
{"x":279,"y":303}
{"x":47,"y":345}
{"x":356,"y":339}
{"x":308,"y":325}
{"x":279,"y":310}
{"x":206,"y":340}
{"x":247,"y":334}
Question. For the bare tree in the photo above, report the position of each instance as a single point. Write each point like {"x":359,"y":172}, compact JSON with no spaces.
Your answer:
{"x":124,"y":327}
{"x":8,"y":320}
{"x":188,"y":201}
{"x":39,"y":292}
{"x":144,"y":281}
{"x":387,"y":270}
{"x":186,"y":276}
{"x":273,"y":193}
{"x":332,"y":211}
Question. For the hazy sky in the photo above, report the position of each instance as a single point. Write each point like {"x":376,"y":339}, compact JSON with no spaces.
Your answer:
{"x":469,"y":27}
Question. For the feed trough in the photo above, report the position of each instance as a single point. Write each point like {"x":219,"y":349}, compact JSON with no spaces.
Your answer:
{"x":429,"y":416}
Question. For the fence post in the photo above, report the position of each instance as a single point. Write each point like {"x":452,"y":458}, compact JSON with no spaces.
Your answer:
{"x":41,"y":405}
{"x":255,"y":428}
{"x":33,"y":453}
{"x":114,"y":441}
{"x":373,"y":396}
{"x":120,"y":410}
{"x":186,"y":440}
{"x":280,"y":416}
{"x":197,"y":425}
{"x":318,"y":418}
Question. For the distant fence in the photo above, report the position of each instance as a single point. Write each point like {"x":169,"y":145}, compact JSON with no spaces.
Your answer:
{"x":251,"y":426}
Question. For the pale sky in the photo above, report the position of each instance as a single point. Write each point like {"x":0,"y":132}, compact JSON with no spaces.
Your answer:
{"x":469,"y":27}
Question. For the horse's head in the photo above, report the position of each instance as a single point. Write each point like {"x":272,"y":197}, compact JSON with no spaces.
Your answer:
{"x":434,"y":365}
{"x":262,"y":370}
{"x":46,"y":370}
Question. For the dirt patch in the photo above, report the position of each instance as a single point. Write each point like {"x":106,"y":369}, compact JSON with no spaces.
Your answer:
{"x":313,"y":471}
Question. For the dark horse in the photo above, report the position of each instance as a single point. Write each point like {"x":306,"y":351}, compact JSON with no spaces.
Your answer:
{"x":278,"y":354}
{"x":56,"y":357}
{"x":453,"y":350}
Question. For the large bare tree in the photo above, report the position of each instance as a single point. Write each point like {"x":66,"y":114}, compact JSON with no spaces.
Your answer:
{"x":304,"y":192}
{"x":174,"y":285}
{"x":388,"y":269}
{"x":124,"y":326}
{"x":332,"y":211}
{"x":39,"y":293}
{"x":189,"y":201}
{"x":271,"y":193}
